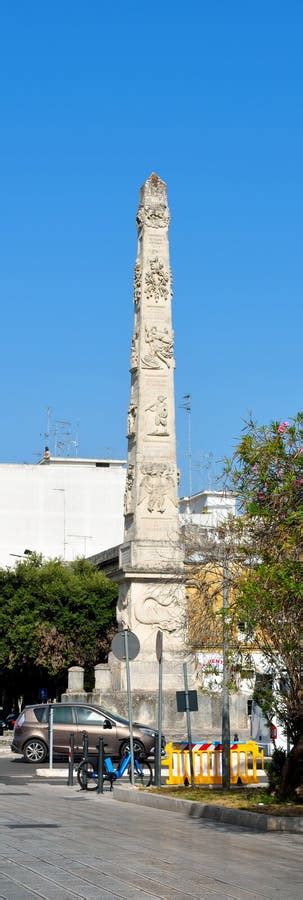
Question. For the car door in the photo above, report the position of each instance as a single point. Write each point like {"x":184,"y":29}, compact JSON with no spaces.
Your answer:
{"x":64,"y":725}
{"x":96,"y":725}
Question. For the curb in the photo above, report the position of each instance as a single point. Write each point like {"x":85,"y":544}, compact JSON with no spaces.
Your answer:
{"x":54,"y":773}
{"x":221,"y":814}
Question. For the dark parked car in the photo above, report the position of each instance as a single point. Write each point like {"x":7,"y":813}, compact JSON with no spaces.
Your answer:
{"x":31,"y":733}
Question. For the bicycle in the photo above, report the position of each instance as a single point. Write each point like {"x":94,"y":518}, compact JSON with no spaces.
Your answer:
{"x":88,"y":776}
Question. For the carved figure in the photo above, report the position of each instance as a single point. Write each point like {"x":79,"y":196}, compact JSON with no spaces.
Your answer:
{"x":157,"y":486}
{"x":131,"y":419}
{"x":137,"y":285}
{"x":134,"y":351}
{"x":128,"y":488}
{"x":161,"y":348}
{"x":157,"y":281}
{"x":160,"y":409}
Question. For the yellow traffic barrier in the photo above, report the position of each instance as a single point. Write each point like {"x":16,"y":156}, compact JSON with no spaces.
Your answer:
{"x":207,"y":763}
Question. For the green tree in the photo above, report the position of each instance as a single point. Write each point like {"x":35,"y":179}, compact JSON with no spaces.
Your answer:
{"x":52,"y":616}
{"x":256,"y":558}
{"x":267,"y":474}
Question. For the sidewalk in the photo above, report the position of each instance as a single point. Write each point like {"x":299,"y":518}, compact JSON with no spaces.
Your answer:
{"x":58,"y":842}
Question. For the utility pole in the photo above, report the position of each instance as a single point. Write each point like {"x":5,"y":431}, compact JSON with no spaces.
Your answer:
{"x":225,"y":686}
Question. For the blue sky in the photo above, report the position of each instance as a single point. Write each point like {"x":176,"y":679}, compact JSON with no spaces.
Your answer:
{"x":94,"y":97}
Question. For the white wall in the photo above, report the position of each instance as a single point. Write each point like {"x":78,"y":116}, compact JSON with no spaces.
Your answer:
{"x":74,"y":505}
{"x":207,"y":508}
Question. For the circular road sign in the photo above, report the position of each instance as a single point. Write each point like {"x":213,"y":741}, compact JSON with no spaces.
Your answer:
{"x":118,"y":644}
{"x":159,"y":645}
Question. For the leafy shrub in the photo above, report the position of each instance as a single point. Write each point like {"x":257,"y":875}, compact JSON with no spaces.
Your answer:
{"x":275,"y":769}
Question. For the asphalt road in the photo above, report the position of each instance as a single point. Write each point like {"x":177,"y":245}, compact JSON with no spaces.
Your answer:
{"x":59,"y":842}
{"x":13,"y":767}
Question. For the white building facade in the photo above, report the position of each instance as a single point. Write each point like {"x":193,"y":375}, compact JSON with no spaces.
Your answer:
{"x":60,"y":507}
{"x":207,"y":508}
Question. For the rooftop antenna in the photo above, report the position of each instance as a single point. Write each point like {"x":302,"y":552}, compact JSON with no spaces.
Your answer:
{"x":48,"y":423}
{"x":205,"y":464}
{"x":60,"y":437}
{"x":64,"y":442}
{"x":186,"y":404}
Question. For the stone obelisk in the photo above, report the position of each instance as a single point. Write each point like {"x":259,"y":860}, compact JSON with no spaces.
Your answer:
{"x":151,"y":593}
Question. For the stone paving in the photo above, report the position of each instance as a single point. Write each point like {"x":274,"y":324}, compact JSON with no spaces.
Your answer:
{"x":57,"y":842}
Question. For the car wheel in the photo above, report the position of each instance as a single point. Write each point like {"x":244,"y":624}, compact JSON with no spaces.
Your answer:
{"x":139,"y":749}
{"x":34,"y":751}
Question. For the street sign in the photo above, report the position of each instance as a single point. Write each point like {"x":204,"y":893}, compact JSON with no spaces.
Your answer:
{"x":159,"y":645}
{"x":126,"y":645}
{"x":191,"y":704}
{"x":118,"y":645}
{"x":187,"y":701}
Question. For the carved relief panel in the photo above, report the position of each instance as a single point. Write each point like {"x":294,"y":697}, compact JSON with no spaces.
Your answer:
{"x":128,"y":496}
{"x":137,"y":285}
{"x":159,"y":348}
{"x":158,"y":417}
{"x":156,"y":215}
{"x":158,"y":610}
{"x":158,"y":486}
{"x":156,"y":282}
{"x":134,"y":350}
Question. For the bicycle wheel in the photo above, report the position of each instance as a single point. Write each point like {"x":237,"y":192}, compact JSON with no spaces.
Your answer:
{"x":87,"y":776}
{"x":143,"y":774}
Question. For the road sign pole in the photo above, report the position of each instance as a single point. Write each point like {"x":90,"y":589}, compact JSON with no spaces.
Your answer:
{"x":190,"y":743}
{"x":130,"y":712}
{"x":51,"y":736}
{"x":125,"y":646}
{"x":159,"y":741}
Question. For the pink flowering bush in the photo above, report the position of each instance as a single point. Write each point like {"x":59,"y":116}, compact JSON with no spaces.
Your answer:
{"x":282,"y":427}
{"x":266,"y":473}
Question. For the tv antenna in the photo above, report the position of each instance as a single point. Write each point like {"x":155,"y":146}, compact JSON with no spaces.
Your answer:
{"x":186,"y":405}
{"x":206,"y":464}
{"x":60,"y":437}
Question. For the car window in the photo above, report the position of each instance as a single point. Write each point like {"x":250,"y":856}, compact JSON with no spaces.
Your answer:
{"x":87,"y":716}
{"x":21,"y":719}
{"x":117,"y":718}
{"x":41,"y":713}
{"x":63,"y":715}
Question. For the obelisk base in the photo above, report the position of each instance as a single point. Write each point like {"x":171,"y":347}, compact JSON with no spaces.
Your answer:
{"x":206,"y":722}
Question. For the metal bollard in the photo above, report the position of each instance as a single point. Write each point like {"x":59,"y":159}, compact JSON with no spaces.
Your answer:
{"x":157,"y":765}
{"x":71,"y":756}
{"x":85,"y":745}
{"x":100,"y":748}
{"x":85,"y":755}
